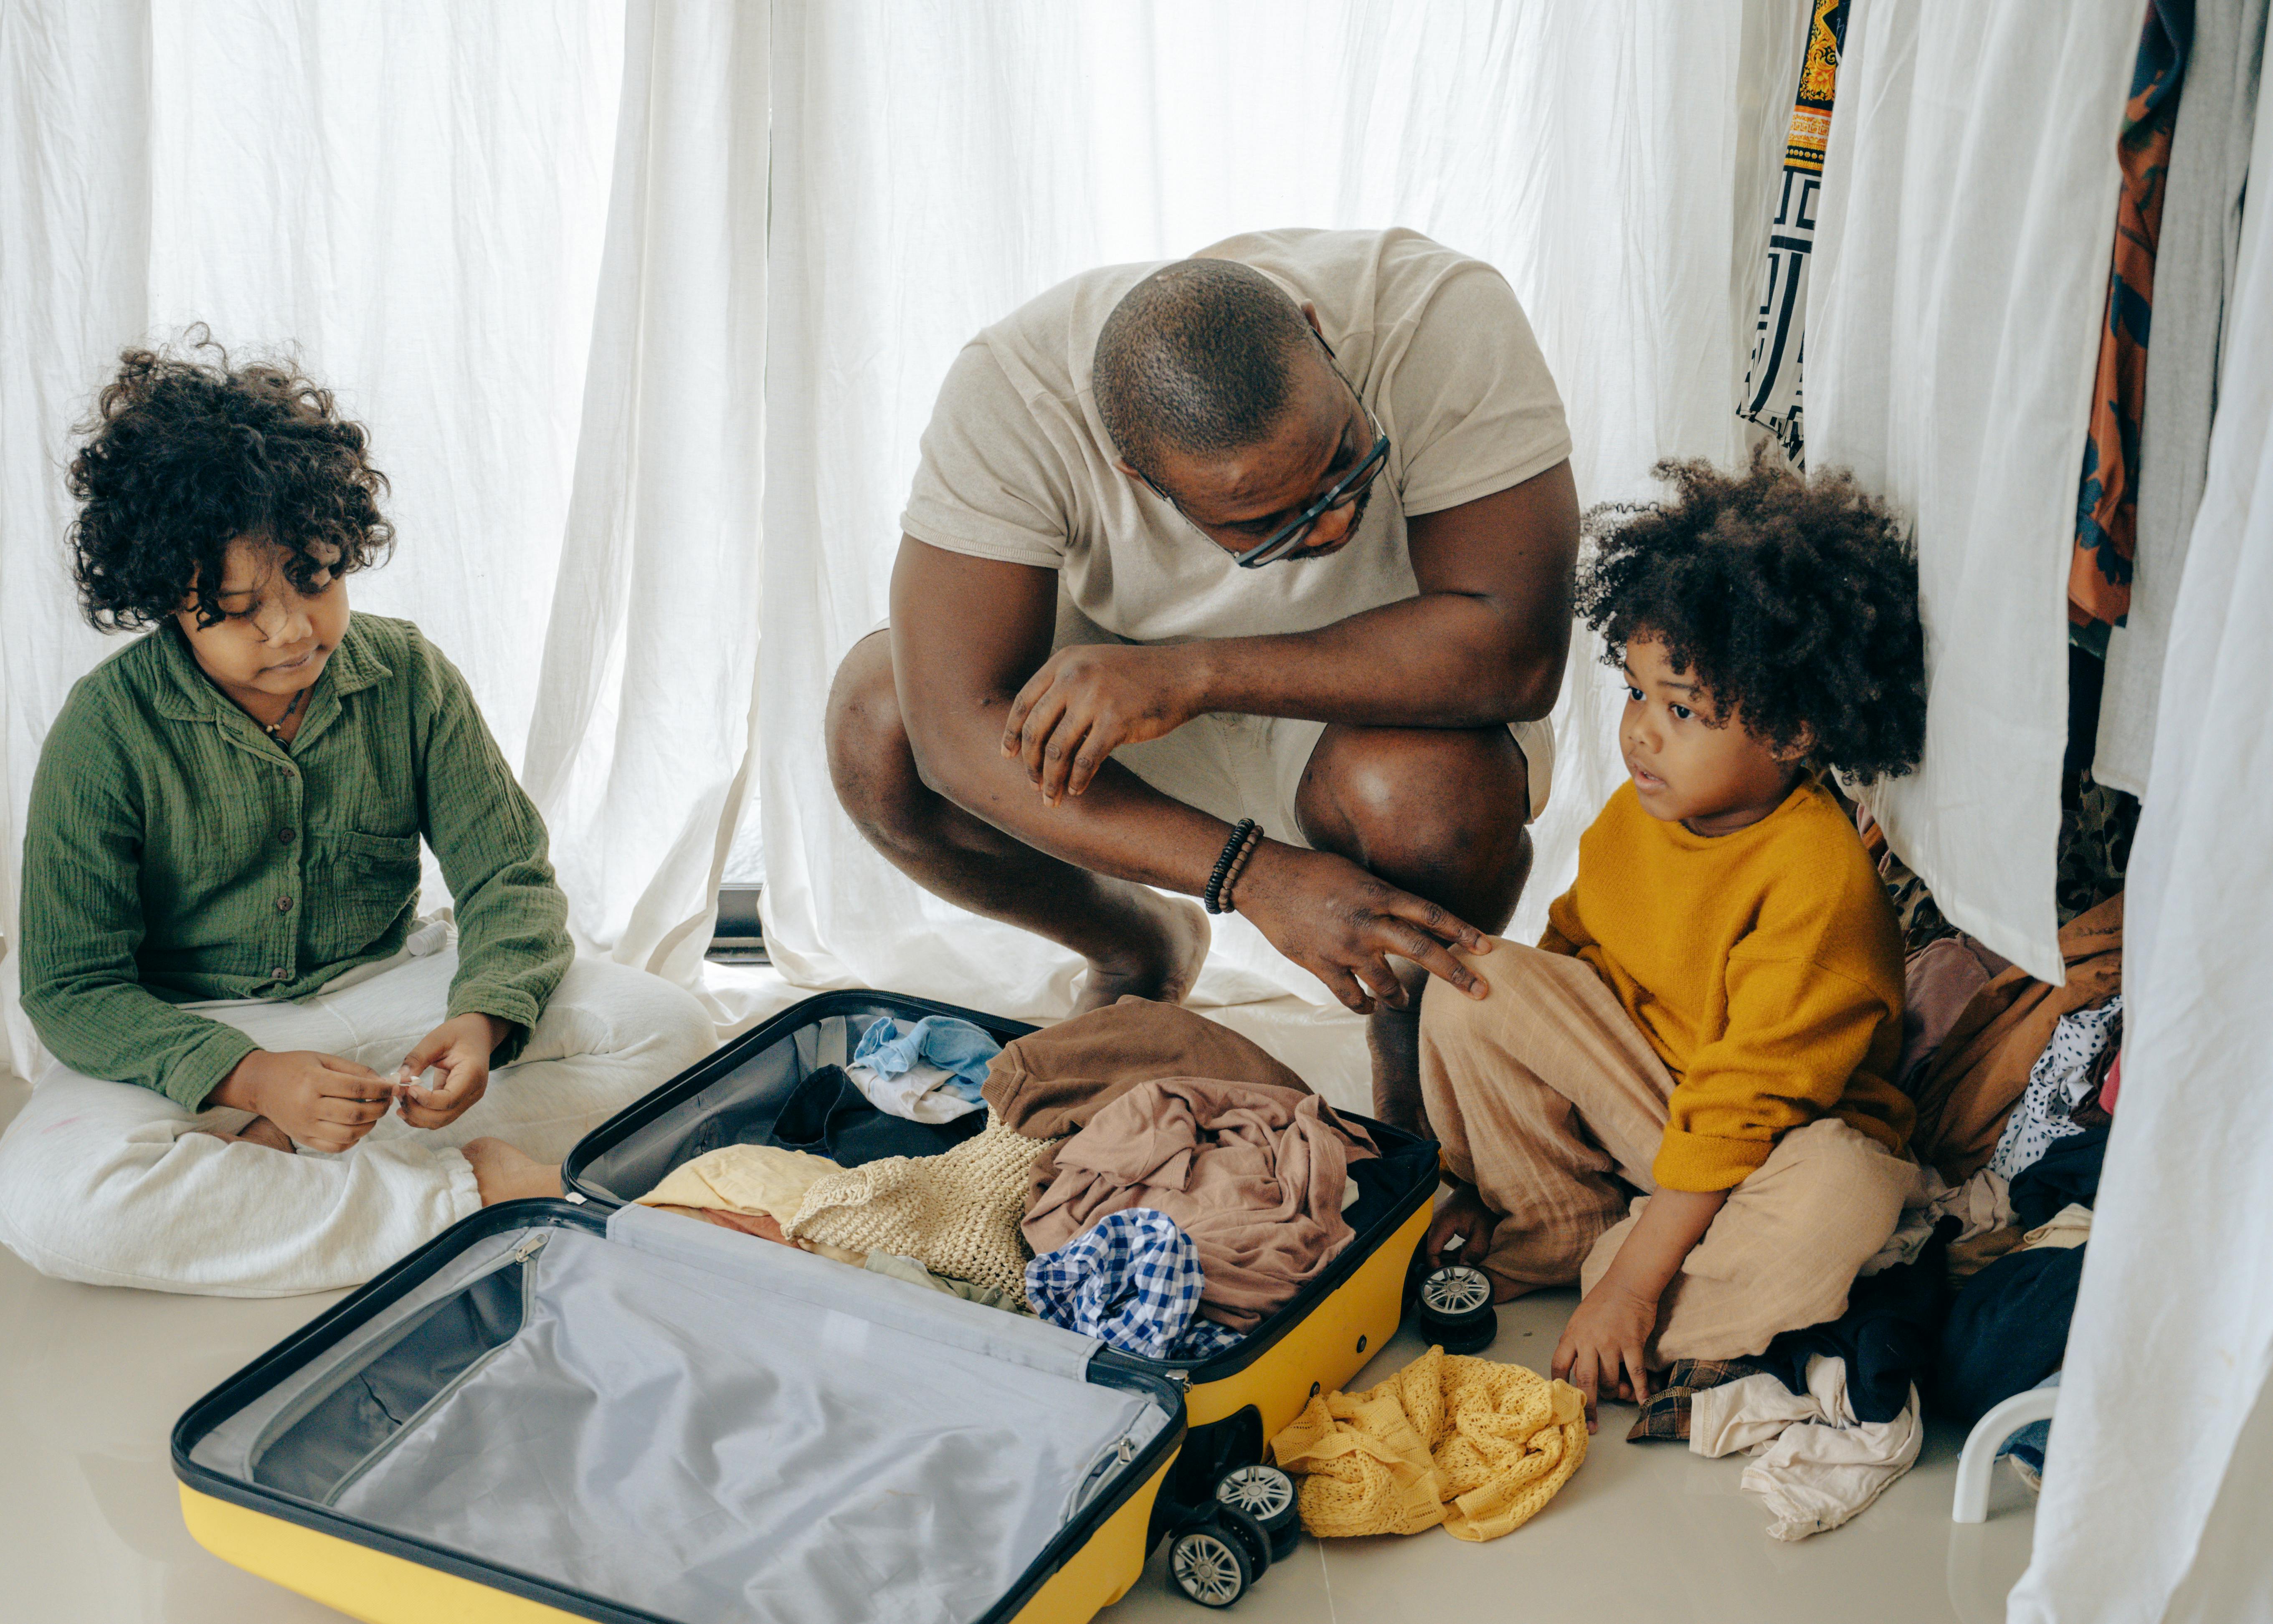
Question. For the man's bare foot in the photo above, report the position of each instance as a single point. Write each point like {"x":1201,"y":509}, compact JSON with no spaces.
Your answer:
{"x":504,"y":1174}
{"x":260,"y":1131}
{"x":1163,"y":970}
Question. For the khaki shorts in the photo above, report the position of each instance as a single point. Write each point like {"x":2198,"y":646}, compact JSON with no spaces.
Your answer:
{"x":1233,"y":767}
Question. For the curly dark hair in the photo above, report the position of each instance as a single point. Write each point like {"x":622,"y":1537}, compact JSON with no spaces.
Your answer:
{"x":184,"y":453}
{"x":1793,"y":600}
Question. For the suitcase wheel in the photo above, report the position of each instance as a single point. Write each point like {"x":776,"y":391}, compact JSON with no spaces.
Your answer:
{"x":1454,"y":1308}
{"x":1210,"y":1561}
{"x":1266,"y":1494}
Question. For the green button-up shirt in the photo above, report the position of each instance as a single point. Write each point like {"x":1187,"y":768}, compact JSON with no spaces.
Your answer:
{"x":174,"y":852}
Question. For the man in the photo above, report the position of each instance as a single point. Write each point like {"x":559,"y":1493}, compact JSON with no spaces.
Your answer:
{"x":1285,"y":531}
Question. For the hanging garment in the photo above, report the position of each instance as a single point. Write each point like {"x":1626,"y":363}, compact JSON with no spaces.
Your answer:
{"x":1818,"y":1465}
{"x":829,"y":1116}
{"x":1665,"y":1413}
{"x":956,"y":1213}
{"x":1050,"y":1082}
{"x":1254,"y":1175}
{"x":1133,"y":1281}
{"x":1983,"y":1066}
{"x":1959,"y":282}
{"x":2066,"y":1075}
{"x":2194,"y":273}
{"x":2007,"y":1330}
{"x":1772,"y":377}
{"x":2065,"y":1175}
{"x":2099,"y":577}
{"x":888,"y":1049}
{"x":1476,"y":1446}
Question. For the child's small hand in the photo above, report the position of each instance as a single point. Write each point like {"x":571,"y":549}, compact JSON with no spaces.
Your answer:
{"x":1463,"y":1217}
{"x":1601,"y":1350}
{"x":458,"y":1051}
{"x":319,"y":1100}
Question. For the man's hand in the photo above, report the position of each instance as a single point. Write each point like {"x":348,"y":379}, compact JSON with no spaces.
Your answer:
{"x":1089,"y":700}
{"x":319,"y":1100}
{"x":459,"y":1050}
{"x":1341,"y":923}
{"x":1463,"y":1217}
{"x":1603,"y":1347}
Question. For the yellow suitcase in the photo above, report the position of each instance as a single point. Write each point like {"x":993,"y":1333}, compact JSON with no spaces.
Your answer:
{"x":585,"y":1410}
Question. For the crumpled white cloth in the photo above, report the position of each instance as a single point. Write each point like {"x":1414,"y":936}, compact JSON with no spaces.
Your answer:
{"x":1817,"y":1465}
{"x":1982,"y":1203}
{"x":920,"y":1094}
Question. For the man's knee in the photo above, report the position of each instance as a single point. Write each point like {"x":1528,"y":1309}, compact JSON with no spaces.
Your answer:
{"x":1418,"y":801}
{"x":870,"y":762}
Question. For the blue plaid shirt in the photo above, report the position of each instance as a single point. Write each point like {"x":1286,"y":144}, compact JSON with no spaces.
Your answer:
{"x":1133,"y":1281}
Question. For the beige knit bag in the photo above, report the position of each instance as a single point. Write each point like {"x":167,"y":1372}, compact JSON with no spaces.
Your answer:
{"x":956,"y":1213}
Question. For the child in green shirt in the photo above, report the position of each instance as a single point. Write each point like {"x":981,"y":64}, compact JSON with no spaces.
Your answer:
{"x":220,"y":938}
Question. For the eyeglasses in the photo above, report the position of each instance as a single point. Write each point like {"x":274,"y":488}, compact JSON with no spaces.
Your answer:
{"x":1290,"y":535}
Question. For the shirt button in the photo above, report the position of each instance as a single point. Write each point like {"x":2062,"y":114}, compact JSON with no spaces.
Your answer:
{"x":283,"y":904}
{"x":278,"y":974}
{"x":284,"y":835}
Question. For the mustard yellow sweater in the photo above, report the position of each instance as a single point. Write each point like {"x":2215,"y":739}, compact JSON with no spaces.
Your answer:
{"x":1765,"y":967}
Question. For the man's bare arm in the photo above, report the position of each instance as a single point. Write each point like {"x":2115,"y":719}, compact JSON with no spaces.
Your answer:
{"x":967,"y":631}
{"x":1484,"y":642}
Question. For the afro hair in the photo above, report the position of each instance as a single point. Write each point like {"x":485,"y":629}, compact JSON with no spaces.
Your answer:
{"x":1793,"y":601}
{"x":185,"y":454}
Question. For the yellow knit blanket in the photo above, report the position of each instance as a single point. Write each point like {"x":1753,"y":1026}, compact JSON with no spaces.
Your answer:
{"x":1477,"y":1445}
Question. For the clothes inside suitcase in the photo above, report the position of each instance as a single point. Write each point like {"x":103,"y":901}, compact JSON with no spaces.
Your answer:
{"x":1234,"y":1400}
{"x":646,"y":1419}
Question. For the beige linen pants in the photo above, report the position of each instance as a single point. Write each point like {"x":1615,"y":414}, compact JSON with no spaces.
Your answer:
{"x":1550,"y":1101}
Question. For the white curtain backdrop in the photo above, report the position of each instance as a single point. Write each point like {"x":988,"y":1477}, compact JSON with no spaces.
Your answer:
{"x":936,"y":164}
{"x":2173,"y":1332}
{"x":431,"y":201}
{"x":1961,"y":274}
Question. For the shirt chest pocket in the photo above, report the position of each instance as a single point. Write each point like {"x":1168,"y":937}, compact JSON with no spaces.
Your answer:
{"x":377,"y":868}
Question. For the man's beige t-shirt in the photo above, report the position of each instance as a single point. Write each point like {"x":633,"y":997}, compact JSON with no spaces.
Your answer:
{"x":1017,"y":464}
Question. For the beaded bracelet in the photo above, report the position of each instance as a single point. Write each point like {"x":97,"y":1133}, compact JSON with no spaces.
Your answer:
{"x":1212,"y":897}
{"x":1238,"y":867}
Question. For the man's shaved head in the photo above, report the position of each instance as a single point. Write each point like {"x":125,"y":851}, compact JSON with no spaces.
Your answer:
{"x":1200,"y":357}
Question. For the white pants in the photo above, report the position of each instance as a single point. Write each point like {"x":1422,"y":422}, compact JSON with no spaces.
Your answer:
{"x":114,"y":1184}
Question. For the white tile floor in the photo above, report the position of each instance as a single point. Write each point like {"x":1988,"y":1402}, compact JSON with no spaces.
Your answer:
{"x":92,"y":1381}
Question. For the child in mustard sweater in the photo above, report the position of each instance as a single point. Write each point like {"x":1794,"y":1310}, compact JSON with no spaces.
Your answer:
{"x":1680,"y":1098}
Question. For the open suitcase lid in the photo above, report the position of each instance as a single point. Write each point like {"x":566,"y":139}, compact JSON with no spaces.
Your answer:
{"x":634,"y":1418}
{"x":741,"y":1085}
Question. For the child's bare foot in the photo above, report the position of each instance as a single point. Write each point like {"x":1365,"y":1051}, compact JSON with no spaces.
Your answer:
{"x":260,"y":1131}
{"x":504,"y":1174}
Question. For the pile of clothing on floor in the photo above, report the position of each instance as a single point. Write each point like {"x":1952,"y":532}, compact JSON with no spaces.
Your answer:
{"x":1139,"y":1174}
{"x":2016,"y":1084}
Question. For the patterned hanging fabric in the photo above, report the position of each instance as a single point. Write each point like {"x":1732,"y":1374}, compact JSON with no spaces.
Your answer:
{"x":1771,"y":397}
{"x":2106,"y":508}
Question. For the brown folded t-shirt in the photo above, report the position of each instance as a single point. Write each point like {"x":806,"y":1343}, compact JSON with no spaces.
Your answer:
{"x":1051,"y":1082}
